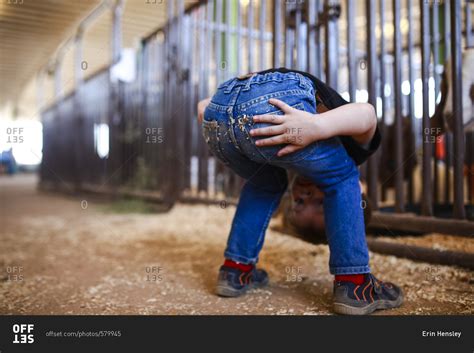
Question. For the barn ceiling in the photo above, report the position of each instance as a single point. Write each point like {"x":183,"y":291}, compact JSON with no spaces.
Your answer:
{"x":32,"y":30}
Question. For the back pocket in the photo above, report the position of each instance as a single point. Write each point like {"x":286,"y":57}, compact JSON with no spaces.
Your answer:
{"x":211,"y":131}
{"x":269,"y":153}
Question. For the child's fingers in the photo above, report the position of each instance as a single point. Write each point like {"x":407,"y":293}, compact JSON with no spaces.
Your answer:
{"x":288,"y":149}
{"x":268,"y":118}
{"x":268,"y":131}
{"x":271,"y":141}
{"x":282,"y":105}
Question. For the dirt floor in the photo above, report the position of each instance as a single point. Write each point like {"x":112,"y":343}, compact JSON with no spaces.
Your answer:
{"x":66,"y":255}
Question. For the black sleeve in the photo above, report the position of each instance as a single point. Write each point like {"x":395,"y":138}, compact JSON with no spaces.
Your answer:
{"x":358,"y":152}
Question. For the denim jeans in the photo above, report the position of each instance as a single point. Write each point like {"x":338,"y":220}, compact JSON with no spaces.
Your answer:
{"x":227,"y":122}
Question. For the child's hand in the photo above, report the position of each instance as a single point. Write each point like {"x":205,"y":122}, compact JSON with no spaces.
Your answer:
{"x":296,"y":128}
{"x":201,"y":107}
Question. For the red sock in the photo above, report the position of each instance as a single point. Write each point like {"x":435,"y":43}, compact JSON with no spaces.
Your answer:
{"x":356,"y":279}
{"x":238,"y":265}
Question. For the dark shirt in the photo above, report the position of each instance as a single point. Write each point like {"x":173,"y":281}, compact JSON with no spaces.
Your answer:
{"x":331,"y":99}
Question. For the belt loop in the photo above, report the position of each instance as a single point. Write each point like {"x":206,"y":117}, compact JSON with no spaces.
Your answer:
{"x":247,"y":85}
{"x":303,"y":81}
{"x":229,"y":87}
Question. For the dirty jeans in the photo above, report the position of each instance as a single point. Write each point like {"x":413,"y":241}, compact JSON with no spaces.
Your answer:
{"x":227,"y":122}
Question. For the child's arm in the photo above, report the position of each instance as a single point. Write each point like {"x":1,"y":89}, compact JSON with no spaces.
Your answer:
{"x":298,"y":128}
{"x":201,"y":107}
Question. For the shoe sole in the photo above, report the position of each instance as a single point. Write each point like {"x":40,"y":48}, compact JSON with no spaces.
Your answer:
{"x":345,"y":309}
{"x":224,"y":290}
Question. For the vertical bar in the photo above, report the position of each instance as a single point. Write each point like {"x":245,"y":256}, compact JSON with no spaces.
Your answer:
{"x":447,"y":139}
{"x":79,"y":121}
{"x":371,"y":80}
{"x":277,"y":33}
{"x":436,"y":76}
{"x":458,"y":133}
{"x":311,"y":37}
{"x":218,"y":41}
{"x":447,"y":30}
{"x":351,"y":59}
{"x":397,"y":43}
{"x":383,"y":82}
{"x":411,"y":98}
{"x":448,"y":162}
{"x":427,"y":202}
{"x":250,"y":25}
{"x":469,"y":36}
{"x":227,"y":39}
{"x":319,"y":41}
{"x":298,"y":44}
{"x":289,"y":39}
{"x":332,"y":49}
{"x":239,"y":38}
{"x":262,"y":20}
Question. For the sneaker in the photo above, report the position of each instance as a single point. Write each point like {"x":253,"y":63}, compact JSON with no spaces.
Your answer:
{"x":363,"y":299}
{"x":233,"y":282}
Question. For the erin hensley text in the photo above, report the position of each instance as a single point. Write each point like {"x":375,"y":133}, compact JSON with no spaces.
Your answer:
{"x":439,"y":333}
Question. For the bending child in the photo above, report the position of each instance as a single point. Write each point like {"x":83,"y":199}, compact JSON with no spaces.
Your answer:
{"x":266,"y":123}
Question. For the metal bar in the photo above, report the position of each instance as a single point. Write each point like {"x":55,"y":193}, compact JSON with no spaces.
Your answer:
{"x":311,"y":37}
{"x":298,"y":33}
{"x":447,"y":139}
{"x":351,"y":58}
{"x":239,"y":38}
{"x":383,"y":82}
{"x":277,"y":33}
{"x":418,"y":253}
{"x":411,"y":97}
{"x":228,"y":13}
{"x":458,"y":134}
{"x":448,"y":163}
{"x":117,"y":13}
{"x":262,"y":19}
{"x":447,"y":30}
{"x":250,"y":25}
{"x":427,"y":201}
{"x":397,"y":83}
{"x":319,"y":41}
{"x":371,"y":80}
{"x":218,"y":41}
{"x":421,"y":224}
{"x":331,"y":34}
{"x":435,"y":42}
{"x":468,"y":26}
{"x":289,"y":39}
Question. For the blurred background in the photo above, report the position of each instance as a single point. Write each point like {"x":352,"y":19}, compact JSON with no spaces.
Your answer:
{"x":98,"y":99}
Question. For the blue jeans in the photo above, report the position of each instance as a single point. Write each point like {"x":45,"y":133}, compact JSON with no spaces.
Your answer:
{"x":226,"y":126}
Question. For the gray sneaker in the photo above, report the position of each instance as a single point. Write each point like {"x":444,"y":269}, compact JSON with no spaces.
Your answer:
{"x":363,"y":299}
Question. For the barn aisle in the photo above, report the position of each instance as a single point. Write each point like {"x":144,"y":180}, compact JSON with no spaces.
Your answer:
{"x":66,"y":255}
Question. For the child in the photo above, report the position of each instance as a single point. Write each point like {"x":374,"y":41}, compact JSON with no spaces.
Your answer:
{"x":324,"y":148}
{"x":303,"y":212}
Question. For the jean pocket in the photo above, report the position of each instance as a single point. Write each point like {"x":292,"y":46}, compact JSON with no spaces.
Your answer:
{"x":269,"y":153}
{"x":212,"y":133}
